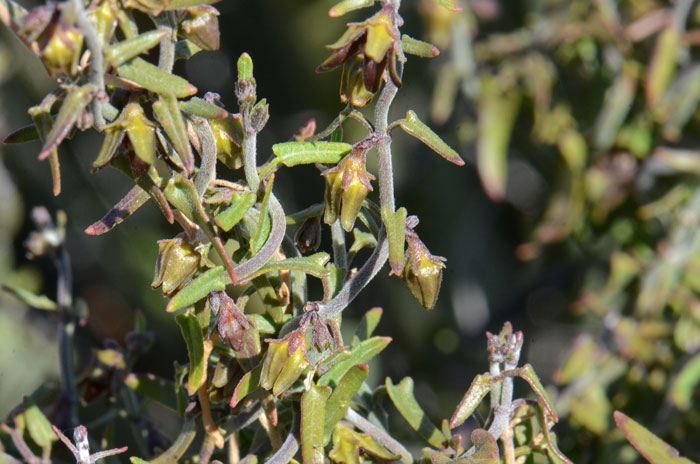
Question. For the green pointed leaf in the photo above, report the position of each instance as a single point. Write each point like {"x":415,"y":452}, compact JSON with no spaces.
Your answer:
{"x":418,"y":47}
{"x":232,"y":215}
{"x":186,"y":49}
{"x":114,"y":135}
{"x":245,"y":67}
{"x":339,"y":401}
{"x":366,"y":327}
{"x":71,"y":109}
{"x":346,"y":6}
{"x":498,"y":111}
{"x":362,"y":240}
{"x":294,"y":153}
{"x":480,"y":387}
{"x":556,"y":456}
{"x":30,"y":299}
{"x":313,"y":406}
{"x":415,"y":127}
{"x":486,"y":447}
{"x":192,"y":333}
{"x":312,"y":265}
{"x":152,"y":78}
{"x":177,"y":4}
{"x":182,"y":194}
{"x":167,"y":113}
{"x":404,"y":400}
{"x":685,"y":384}
{"x":153,"y":387}
{"x":653,"y":448}
{"x":213,"y":280}
{"x":122,"y":52}
{"x":173,"y":454}
{"x":396,"y":233}
{"x":306,"y":213}
{"x":24,"y":134}
{"x":202,"y":108}
{"x":38,"y":425}
{"x":262,"y":232}
{"x":361,"y":354}
{"x":527,"y":373}
{"x":133,"y":200}
{"x":248,"y":384}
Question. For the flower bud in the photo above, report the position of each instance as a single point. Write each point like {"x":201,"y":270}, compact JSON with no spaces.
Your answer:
{"x":62,"y":52}
{"x":352,"y":84}
{"x":284,"y":363}
{"x":259,"y":115}
{"x":177,"y":263}
{"x":347,"y":186}
{"x":203,"y":27}
{"x":422,"y":271}
{"x":308,"y":237}
{"x":228,"y":133}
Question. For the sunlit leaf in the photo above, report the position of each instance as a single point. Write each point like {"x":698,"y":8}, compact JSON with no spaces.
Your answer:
{"x":685,"y":383}
{"x":361,"y":354}
{"x":192,"y":333}
{"x":38,"y":425}
{"x":367,"y":324}
{"x":527,"y":373}
{"x":404,"y":400}
{"x":125,"y":50}
{"x":294,"y":153}
{"x":167,"y":113}
{"x":415,"y":127}
{"x":202,"y":108}
{"x":395,"y":224}
{"x":30,"y":299}
{"x":232,"y":215}
{"x":339,"y":401}
{"x":153,"y":78}
{"x":71,"y":109}
{"x":313,"y":408}
{"x":346,"y":6}
{"x":418,"y":47}
{"x":480,"y":387}
{"x":209,"y":281}
{"x":654,"y":449}
{"x":133,"y":200}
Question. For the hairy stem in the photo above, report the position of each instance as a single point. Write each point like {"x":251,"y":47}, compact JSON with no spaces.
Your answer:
{"x":166,"y":55}
{"x":250,"y":167}
{"x":340,"y":256}
{"x":278,"y":228}
{"x":381,"y":123}
{"x":207,"y":170}
{"x":378,"y":434}
{"x":96,"y":62}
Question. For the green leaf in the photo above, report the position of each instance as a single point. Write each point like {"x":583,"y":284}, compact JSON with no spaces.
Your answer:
{"x":362,"y":240}
{"x":404,"y":400}
{"x":192,"y":333}
{"x":527,"y":373}
{"x":450,"y":5}
{"x":232,"y":215}
{"x":653,"y":448}
{"x":245,"y":67}
{"x":480,"y":387}
{"x":186,"y":49}
{"x":114,"y":135}
{"x":396,"y":233}
{"x":486,"y":447}
{"x":71,"y":109}
{"x":38,"y":425}
{"x":591,"y":408}
{"x":306,"y":213}
{"x":262,"y":232}
{"x":153,"y":387}
{"x":294,"y":153}
{"x":177,"y":4}
{"x":212,"y":280}
{"x":685,"y":383}
{"x":312,"y":265}
{"x":123,"y":51}
{"x":339,"y":402}
{"x":133,"y":200}
{"x":366,"y":327}
{"x":662,"y":65}
{"x":152,"y":78}
{"x":415,"y":127}
{"x":346,"y":6}
{"x":173,"y":454}
{"x":30,"y":299}
{"x":361,"y":354}
{"x":202,"y":108}
{"x":24,"y":134}
{"x":167,"y":113}
{"x":313,"y":406}
{"x":182,"y":194}
{"x":418,"y":47}
{"x":248,"y":384}
{"x":497,"y":113}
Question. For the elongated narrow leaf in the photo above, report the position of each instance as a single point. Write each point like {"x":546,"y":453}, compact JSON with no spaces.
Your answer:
{"x":418,"y":47}
{"x":479,"y":388}
{"x":23,"y":134}
{"x":122,"y":52}
{"x":122,"y":210}
{"x":152,"y":78}
{"x":313,"y":265}
{"x":415,"y":127}
{"x":182,"y":194}
{"x":177,"y":4}
{"x":339,"y":401}
{"x":248,"y":384}
{"x":361,"y":354}
{"x":30,"y":299}
{"x":192,"y":333}
{"x":527,"y":373}
{"x":167,"y":113}
{"x":71,"y":109}
{"x":395,"y":224}
{"x":313,"y":408}
{"x":38,"y":425}
{"x":366,"y":327}
{"x":555,"y":454}
{"x":262,"y":231}
{"x":294,"y":153}
{"x":154,"y":388}
{"x":232,"y":215}
{"x":202,"y":108}
{"x":114,"y":135}
{"x":653,"y":448}
{"x":404,"y":400}
{"x":173,"y":454}
{"x":685,"y":384}
{"x":210,"y":281}
{"x":346,"y":6}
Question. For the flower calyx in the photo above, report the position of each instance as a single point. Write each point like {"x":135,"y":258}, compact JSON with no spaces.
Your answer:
{"x":178,"y":261}
{"x":347,"y":186}
{"x":284,"y":362}
{"x":422,"y":270}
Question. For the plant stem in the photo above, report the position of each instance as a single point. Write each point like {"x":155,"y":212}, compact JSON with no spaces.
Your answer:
{"x":96,"y":62}
{"x":250,"y":167}
{"x":378,"y":434}
{"x":340,"y":256}
{"x":166,"y":56}
{"x":207,"y":170}
{"x":278,"y":228}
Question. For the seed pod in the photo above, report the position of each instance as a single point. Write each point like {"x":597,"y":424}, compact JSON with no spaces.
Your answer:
{"x":176,"y":265}
{"x":422,"y":271}
{"x":203,"y":27}
{"x":347,"y":186}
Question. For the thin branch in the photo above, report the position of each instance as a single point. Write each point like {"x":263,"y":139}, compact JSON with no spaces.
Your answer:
{"x":340,"y":255}
{"x":378,"y":434}
{"x":96,"y":62}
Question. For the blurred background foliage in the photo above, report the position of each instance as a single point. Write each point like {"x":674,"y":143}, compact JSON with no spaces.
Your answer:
{"x":576,"y":216}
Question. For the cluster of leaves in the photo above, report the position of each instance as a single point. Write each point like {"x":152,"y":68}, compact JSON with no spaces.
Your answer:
{"x":608,"y":92}
{"x":268,"y":384}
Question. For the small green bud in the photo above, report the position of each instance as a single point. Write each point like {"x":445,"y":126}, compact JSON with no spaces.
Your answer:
{"x":422,"y":271}
{"x":177,"y":263}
